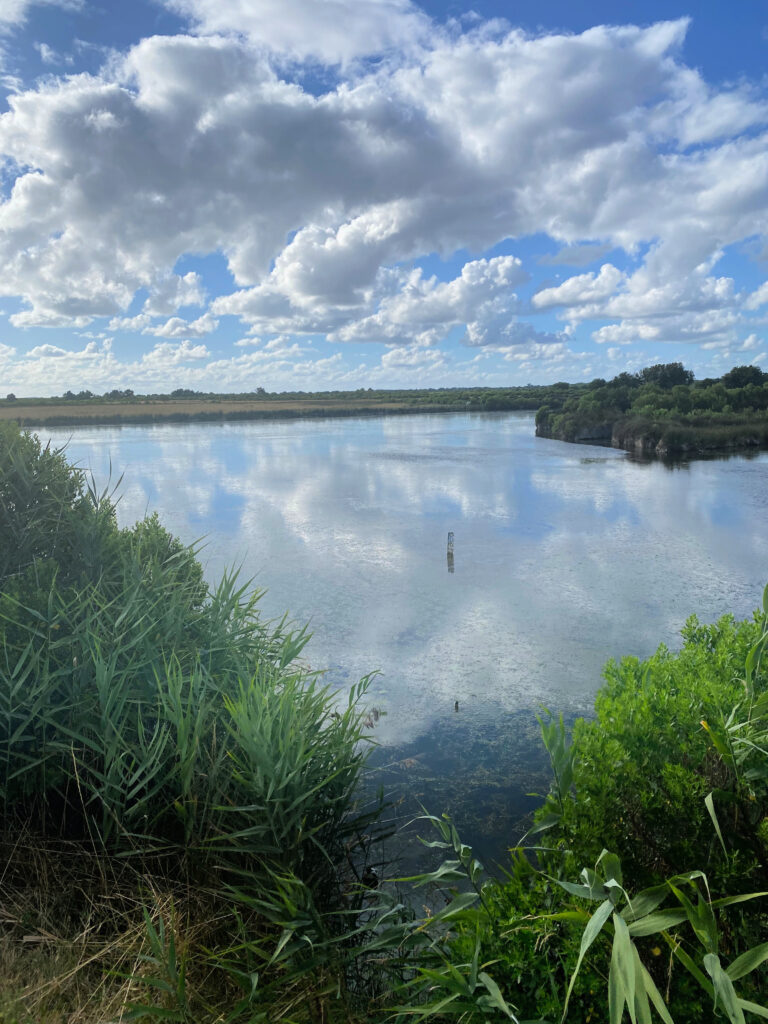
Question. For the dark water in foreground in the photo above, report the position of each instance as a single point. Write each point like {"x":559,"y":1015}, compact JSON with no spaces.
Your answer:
{"x":564,"y":556}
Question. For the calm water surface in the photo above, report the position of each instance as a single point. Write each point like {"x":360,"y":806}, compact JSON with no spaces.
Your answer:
{"x":564,"y":556}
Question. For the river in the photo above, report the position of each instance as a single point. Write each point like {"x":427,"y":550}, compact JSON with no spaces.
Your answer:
{"x":564,"y":556}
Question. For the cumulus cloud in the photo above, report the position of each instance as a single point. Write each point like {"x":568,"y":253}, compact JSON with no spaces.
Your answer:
{"x":581,"y":289}
{"x":626,"y":332}
{"x":320,"y":201}
{"x":331,"y":31}
{"x":413,"y":356}
{"x":708,"y":326}
{"x":171,"y":291}
{"x":177,"y":327}
{"x":424,"y":310}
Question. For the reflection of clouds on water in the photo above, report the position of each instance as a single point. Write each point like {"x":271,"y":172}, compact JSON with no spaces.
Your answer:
{"x":564,"y":555}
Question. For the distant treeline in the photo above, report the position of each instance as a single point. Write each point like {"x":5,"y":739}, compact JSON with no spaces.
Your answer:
{"x":527,"y":397}
{"x":183,"y":405}
{"x":661,"y":409}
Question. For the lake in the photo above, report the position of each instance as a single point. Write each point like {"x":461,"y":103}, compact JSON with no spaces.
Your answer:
{"x":564,"y":556}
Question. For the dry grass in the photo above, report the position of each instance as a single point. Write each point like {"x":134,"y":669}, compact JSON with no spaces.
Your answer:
{"x":75,"y":946}
{"x":160,"y":409}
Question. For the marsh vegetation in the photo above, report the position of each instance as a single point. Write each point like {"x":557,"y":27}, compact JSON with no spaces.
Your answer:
{"x":183,"y":839}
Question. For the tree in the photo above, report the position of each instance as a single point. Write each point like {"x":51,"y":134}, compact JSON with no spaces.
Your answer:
{"x":10,"y":397}
{"x":740,"y":376}
{"x":666,"y":375}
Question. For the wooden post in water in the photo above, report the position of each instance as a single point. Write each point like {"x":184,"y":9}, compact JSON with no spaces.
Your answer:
{"x":450,"y":551}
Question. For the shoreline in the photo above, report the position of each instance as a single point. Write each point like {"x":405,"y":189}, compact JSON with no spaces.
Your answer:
{"x":209,"y":412}
{"x":693,"y":444}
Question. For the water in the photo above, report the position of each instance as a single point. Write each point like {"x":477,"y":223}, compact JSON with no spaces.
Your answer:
{"x":564,"y":556}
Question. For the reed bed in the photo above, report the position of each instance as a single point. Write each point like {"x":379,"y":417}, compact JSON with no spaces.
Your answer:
{"x":166,"y":755}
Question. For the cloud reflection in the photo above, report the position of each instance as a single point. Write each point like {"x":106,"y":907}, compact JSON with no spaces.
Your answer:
{"x":564,"y":555}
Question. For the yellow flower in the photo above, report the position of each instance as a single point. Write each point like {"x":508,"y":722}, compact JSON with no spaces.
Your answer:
{"x":656,"y":951}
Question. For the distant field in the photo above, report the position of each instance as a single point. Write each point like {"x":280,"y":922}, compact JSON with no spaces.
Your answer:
{"x":152,"y":410}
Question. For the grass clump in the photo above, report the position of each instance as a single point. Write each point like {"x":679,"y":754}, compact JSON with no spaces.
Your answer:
{"x":167,"y":743}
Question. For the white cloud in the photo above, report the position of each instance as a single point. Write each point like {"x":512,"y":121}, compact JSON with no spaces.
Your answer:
{"x":424,"y":310}
{"x":581,"y":289}
{"x":14,"y":12}
{"x":130,"y":323}
{"x":626,"y":332}
{"x":413,"y":356}
{"x":48,"y":318}
{"x":91,"y":351}
{"x":319,"y":202}
{"x":332,"y":31}
{"x":750,"y":343}
{"x":171,"y":291}
{"x":716,"y":325}
{"x":177,"y":327}
{"x":166,"y":354}
{"x":758,"y":298}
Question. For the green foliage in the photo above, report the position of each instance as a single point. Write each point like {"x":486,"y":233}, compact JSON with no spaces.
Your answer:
{"x":662,"y":409}
{"x":46,"y":514}
{"x":742,"y":376}
{"x":646,"y":762}
{"x":666,"y":375}
{"x":150,"y":719}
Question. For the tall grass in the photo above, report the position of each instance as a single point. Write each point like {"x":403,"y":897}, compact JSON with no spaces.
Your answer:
{"x":151,"y":722}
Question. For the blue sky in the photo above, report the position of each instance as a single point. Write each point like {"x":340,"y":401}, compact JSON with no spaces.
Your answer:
{"x":334,"y":194}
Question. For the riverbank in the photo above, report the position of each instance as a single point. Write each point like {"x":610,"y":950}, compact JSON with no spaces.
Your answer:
{"x":670,"y":437}
{"x":662,"y":411}
{"x":198,"y":407}
{"x":198,"y":410}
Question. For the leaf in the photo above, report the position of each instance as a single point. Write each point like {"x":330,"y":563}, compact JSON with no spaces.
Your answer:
{"x":728,"y":901}
{"x":655,"y":996}
{"x":644,"y":902}
{"x":589,"y":935}
{"x":653,"y":923}
{"x":623,"y":963}
{"x":547,"y":821}
{"x":747,"y":962}
{"x":457,"y":904}
{"x":495,"y":995}
{"x":710,"y":805}
{"x":759,"y":1011}
{"x":616,"y":995}
{"x":724,"y":990}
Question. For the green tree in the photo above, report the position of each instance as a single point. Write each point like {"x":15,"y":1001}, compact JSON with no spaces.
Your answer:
{"x":741,"y":376}
{"x":667,"y":375}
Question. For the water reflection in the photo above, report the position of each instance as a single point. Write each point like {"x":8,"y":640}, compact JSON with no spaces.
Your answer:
{"x":568,"y":555}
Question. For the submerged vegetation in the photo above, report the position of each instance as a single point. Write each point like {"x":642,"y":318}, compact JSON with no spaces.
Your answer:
{"x":182,"y":839}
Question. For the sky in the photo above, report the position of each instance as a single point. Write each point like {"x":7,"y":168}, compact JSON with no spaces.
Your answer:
{"x":311,"y":195}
